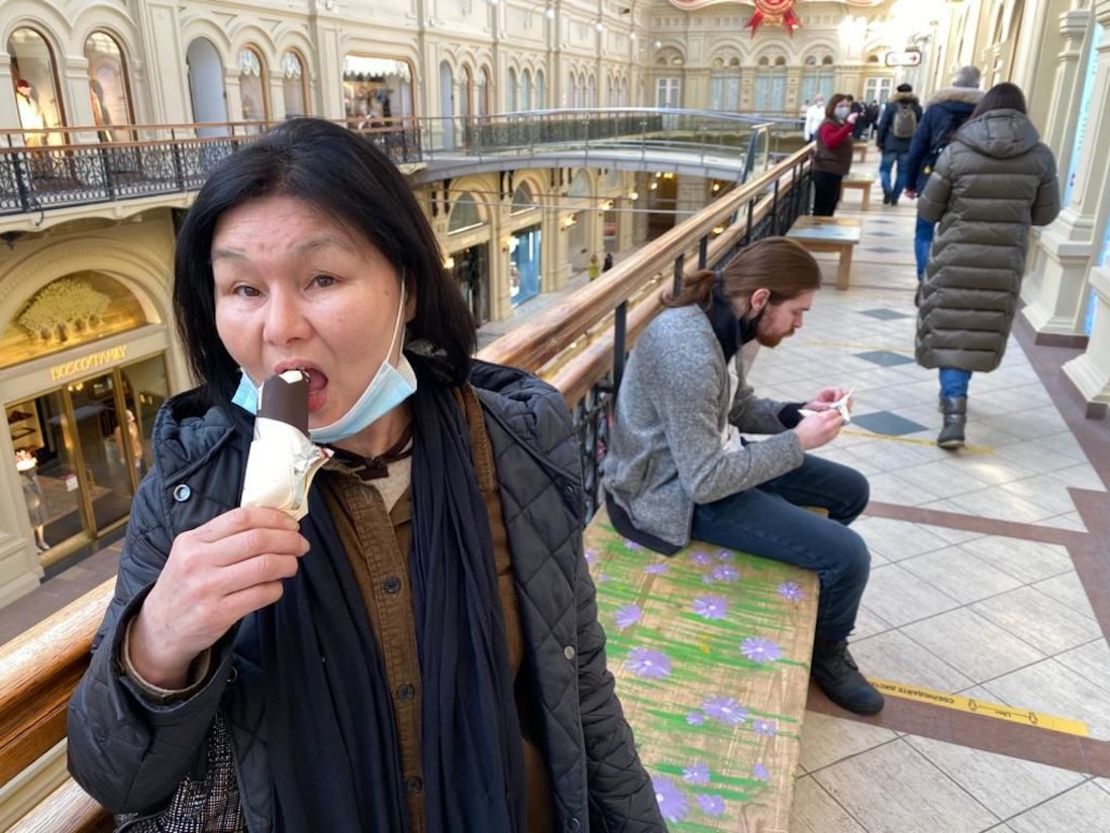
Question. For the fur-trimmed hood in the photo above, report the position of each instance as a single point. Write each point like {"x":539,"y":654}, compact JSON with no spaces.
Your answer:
{"x":904,"y":98}
{"x":965,"y":95}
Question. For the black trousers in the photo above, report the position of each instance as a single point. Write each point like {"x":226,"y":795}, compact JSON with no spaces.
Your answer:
{"x":826,"y":193}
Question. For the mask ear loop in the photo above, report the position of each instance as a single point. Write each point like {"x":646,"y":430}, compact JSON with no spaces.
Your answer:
{"x":397,"y":326}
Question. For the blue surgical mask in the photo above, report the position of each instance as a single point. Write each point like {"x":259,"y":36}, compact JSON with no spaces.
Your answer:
{"x":841,"y":112}
{"x":389,"y":388}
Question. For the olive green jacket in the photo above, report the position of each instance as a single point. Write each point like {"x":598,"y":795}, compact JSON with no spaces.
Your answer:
{"x":990,"y":184}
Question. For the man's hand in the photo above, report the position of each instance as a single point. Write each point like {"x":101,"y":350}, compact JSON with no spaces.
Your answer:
{"x":826,"y":398}
{"x":817,"y":430}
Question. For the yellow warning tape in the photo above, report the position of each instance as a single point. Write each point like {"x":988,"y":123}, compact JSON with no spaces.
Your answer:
{"x":995,"y":710}
{"x":871,"y":435}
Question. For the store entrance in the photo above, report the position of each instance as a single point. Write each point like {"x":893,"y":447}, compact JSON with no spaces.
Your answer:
{"x":81,"y":451}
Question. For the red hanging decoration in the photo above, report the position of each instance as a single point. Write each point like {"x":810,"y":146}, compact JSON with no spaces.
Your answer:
{"x":774,"y":11}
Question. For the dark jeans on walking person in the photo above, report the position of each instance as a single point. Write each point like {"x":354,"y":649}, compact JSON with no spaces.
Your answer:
{"x":889,"y":159}
{"x":769,"y":521}
{"x":826,"y":193}
{"x":954,"y":382}
{"x":922,"y":242}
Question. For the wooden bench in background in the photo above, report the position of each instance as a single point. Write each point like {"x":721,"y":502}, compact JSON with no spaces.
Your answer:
{"x":711,"y":651}
{"x":829,"y":234}
{"x":859,"y":148}
{"x":863,"y":185}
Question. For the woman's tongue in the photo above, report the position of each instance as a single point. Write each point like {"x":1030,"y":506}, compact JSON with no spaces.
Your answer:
{"x":317,"y":384}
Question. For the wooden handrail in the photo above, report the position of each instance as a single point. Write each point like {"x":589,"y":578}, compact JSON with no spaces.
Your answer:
{"x":551,"y":332}
{"x":68,"y":809}
{"x":41,"y":667}
{"x":589,"y":367}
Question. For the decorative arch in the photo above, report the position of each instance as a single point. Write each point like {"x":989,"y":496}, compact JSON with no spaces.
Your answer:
{"x":466,"y":213}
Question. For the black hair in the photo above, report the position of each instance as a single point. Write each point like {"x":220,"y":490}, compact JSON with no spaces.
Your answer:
{"x":345,"y":175}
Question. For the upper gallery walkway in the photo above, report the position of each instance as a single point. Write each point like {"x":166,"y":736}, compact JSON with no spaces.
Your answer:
{"x":48,"y":176}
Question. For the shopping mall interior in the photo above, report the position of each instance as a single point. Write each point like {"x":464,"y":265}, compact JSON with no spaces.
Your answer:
{"x":573,"y":159}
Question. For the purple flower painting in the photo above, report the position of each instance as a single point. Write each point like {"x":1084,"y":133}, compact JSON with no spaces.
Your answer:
{"x":722,"y":574}
{"x":670,"y":797}
{"x":702,"y":559}
{"x":791,"y":591}
{"x":695,"y":718}
{"x":760,"y":773}
{"x":696,"y":773}
{"x":764,"y":728}
{"x":655,"y":569}
{"x":712,"y":805}
{"x":649,"y":664}
{"x":758,"y":649}
{"x":725,"y":710}
{"x":711,"y":607}
{"x":725,"y":555}
{"x":631,"y":546}
{"x":591,"y":557}
{"x":627,"y":616}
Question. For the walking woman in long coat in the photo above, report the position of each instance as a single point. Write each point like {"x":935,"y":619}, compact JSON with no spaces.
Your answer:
{"x":990,"y":184}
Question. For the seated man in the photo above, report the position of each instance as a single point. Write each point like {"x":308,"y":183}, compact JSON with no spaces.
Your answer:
{"x":670,"y":475}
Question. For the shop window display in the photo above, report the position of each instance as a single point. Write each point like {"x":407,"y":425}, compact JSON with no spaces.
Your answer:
{"x":252,"y":81}
{"x":293,"y":85}
{"x":36,"y":87}
{"x":108,"y":86}
{"x":376,"y":90}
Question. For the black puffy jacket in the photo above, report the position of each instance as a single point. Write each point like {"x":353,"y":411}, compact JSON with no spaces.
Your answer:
{"x":130,"y":754}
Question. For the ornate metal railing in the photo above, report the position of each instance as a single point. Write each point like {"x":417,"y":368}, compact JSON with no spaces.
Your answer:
{"x":44,"y":170}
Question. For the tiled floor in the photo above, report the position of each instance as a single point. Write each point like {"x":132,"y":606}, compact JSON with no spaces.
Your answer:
{"x":1004,"y":618}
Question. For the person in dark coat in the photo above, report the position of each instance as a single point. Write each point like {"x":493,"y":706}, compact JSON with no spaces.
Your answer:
{"x":897,"y":126}
{"x":949,"y":108}
{"x":992,"y":182}
{"x":832,"y":158}
{"x":420,"y":651}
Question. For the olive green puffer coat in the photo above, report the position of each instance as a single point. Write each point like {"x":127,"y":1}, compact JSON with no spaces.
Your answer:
{"x":990,"y":184}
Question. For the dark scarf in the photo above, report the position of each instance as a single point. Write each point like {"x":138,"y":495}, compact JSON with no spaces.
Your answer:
{"x":329,"y":717}
{"x":731,"y":332}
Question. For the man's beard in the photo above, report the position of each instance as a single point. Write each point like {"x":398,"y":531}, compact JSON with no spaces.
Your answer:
{"x":766,"y":340}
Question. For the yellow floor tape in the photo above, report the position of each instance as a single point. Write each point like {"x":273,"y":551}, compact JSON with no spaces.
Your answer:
{"x":995,"y":710}
{"x":871,"y":435}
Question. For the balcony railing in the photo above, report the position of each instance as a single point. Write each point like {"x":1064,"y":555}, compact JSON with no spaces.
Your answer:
{"x":41,"y":170}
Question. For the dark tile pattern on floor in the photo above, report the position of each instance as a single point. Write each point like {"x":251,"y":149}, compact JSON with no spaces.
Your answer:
{"x":888,"y":423}
{"x":885,"y":315}
{"x":883,"y":250}
{"x":885,"y":358}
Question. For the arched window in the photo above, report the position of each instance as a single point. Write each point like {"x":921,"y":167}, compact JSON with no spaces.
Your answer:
{"x":464,"y":214}
{"x":376,"y":89}
{"x":724,"y":84}
{"x":35,"y":78}
{"x":109,"y":92}
{"x":206,"y":86}
{"x":522,"y":199}
{"x":252,"y":85}
{"x":770,"y":85}
{"x":592,"y":104}
{"x":526,"y":90}
{"x":818,"y":78}
{"x":541,"y":90}
{"x":483,"y":92}
{"x":465,"y":93}
{"x":294,"y":84}
{"x":512,"y":92}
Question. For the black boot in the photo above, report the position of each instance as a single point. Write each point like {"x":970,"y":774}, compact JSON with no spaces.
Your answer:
{"x":886,"y":197}
{"x":837,"y":674}
{"x":955,"y":418}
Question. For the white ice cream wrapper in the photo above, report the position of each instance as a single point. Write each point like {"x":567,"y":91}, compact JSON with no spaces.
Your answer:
{"x":280,"y":468}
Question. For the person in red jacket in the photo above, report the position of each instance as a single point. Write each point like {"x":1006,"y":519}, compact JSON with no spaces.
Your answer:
{"x":833,"y":158}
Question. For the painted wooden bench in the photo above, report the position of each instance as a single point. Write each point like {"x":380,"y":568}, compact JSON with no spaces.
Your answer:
{"x":830,"y":234}
{"x":711,"y":652}
{"x":863,"y":185}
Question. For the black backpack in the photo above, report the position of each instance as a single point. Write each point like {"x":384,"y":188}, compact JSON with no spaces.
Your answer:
{"x":955,"y":122}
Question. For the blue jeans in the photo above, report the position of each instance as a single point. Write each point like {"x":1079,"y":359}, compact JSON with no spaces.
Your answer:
{"x":768,"y":521}
{"x":954,"y":382}
{"x":922,"y":242}
{"x":889,"y":158}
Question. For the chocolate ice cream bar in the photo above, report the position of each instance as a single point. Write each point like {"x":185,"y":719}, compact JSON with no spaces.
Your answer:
{"x":284,"y":398}
{"x":282,"y":460}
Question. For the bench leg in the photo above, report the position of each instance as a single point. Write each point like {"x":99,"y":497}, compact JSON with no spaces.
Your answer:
{"x":865,"y":203}
{"x":844,"y":269}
